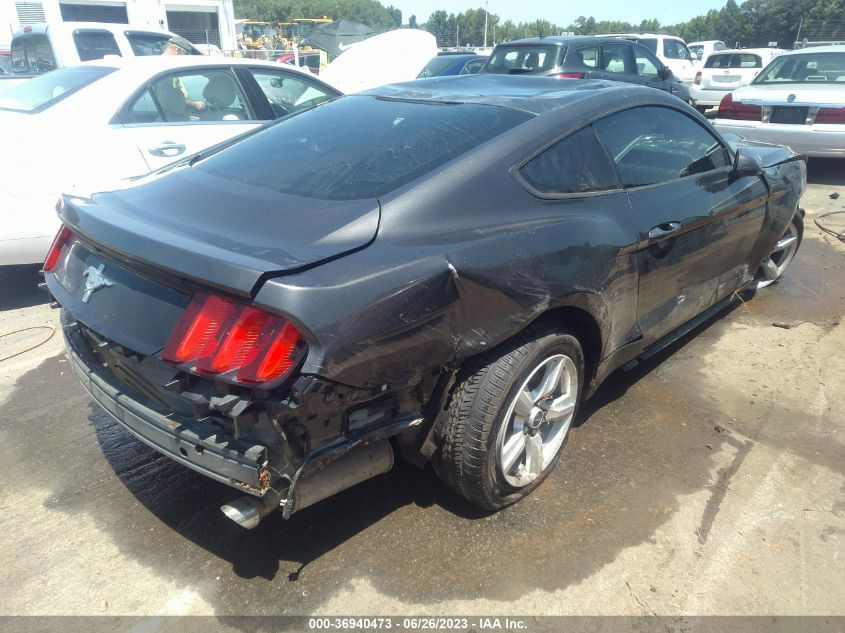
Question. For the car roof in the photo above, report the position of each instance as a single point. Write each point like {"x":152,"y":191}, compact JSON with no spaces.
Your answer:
{"x":156,"y":63}
{"x":706,"y":42}
{"x":755,"y":51}
{"x":838,"y":48}
{"x":43,"y":27}
{"x":562,"y":39}
{"x":531,"y":94}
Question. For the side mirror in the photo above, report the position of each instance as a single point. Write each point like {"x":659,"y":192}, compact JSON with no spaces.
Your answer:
{"x":746,"y":163}
{"x":694,"y":56}
{"x":666,"y":73}
{"x":276,"y":82}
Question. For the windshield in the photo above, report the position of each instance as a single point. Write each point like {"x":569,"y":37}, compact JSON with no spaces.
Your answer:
{"x":32,"y":53}
{"x":147,"y":44}
{"x":809,"y":67}
{"x":520,"y":59}
{"x":40,"y":93}
{"x":359,"y":146}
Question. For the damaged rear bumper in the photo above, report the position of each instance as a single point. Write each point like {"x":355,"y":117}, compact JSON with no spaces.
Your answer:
{"x":240,"y":464}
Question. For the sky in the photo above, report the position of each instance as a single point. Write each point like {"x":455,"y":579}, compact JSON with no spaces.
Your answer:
{"x":564,"y":13}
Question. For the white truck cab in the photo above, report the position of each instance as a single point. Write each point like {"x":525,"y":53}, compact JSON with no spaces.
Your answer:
{"x":39,"y":48}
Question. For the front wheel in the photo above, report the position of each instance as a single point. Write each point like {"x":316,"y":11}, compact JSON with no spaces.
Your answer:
{"x":775,"y":264}
{"x":510,"y":417}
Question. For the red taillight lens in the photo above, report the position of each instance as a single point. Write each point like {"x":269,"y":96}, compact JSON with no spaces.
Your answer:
{"x":62,"y":239}
{"x":831,"y":115}
{"x":697,"y":81}
{"x":730,"y":109}
{"x":571,"y":75}
{"x":219,"y":336}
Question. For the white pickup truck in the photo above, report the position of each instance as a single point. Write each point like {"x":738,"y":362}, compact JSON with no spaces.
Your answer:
{"x":39,"y":48}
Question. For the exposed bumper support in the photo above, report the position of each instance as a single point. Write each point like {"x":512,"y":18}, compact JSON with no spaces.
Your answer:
{"x":242,"y":465}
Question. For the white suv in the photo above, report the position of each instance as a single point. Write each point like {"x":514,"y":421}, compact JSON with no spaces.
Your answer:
{"x":726,"y":71}
{"x":671,"y":50}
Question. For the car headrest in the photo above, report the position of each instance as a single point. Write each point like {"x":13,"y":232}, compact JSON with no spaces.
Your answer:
{"x":219,"y":91}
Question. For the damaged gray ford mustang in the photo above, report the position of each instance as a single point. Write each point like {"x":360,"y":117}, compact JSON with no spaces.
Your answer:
{"x":441,"y":270}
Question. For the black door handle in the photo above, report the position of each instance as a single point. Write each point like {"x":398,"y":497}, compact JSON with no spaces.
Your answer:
{"x":663,"y":230}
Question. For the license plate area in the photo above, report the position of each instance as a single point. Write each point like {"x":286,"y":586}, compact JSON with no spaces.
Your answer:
{"x":787,"y":115}
{"x":729,"y":79}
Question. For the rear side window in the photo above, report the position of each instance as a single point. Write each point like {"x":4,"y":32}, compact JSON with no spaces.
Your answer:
{"x":359,"y":146}
{"x":577,"y":164}
{"x":652,"y":145}
{"x":95,"y":44}
{"x":434,"y":67}
{"x":146,"y":44}
{"x":40,"y":93}
{"x":734,"y":60}
{"x":673,"y":49}
{"x":589,"y":57}
{"x":516,"y":59}
{"x":650,"y":43}
{"x":32,"y":54}
{"x":614,"y":57}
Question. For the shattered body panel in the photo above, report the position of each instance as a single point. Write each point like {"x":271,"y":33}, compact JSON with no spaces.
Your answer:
{"x":392,"y":294}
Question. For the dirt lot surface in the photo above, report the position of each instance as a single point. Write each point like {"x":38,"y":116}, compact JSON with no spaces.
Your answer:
{"x":709,"y":480}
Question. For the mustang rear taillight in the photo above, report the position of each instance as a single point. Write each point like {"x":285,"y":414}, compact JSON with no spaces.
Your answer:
{"x":831,"y":115}
{"x":219,"y":337}
{"x":571,"y":75}
{"x":730,"y":109}
{"x":62,"y":239}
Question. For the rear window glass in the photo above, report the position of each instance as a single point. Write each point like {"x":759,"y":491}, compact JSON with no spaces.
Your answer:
{"x":94,"y":45}
{"x":805,"y":68}
{"x":734,"y":60}
{"x":40,"y":93}
{"x":516,"y":59}
{"x":650,"y":43}
{"x":436,"y":66}
{"x":32,"y":54}
{"x":359,"y":146}
{"x":146,"y":44}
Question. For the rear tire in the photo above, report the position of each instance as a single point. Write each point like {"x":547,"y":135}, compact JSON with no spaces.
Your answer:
{"x":510,"y":415}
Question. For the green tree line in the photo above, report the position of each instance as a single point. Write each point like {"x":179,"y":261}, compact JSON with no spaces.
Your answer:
{"x":752,"y":23}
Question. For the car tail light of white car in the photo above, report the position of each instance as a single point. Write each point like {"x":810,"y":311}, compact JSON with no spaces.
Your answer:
{"x":730,"y":109}
{"x":697,"y":81}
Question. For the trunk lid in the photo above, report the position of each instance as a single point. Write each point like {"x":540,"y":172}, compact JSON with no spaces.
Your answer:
{"x":217,"y":232}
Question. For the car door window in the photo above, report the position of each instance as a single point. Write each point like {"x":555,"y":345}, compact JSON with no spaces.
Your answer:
{"x":646,"y":63}
{"x":146,"y":44}
{"x":289,"y":92}
{"x":589,"y":57}
{"x":652,"y":145}
{"x":197,"y":95}
{"x":613,"y":57}
{"x":95,"y":44}
{"x":577,"y":164}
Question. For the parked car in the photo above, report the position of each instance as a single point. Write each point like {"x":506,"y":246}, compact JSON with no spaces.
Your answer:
{"x":584,"y":57}
{"x":40,"y":48}
{"x":446,"y":268}
{"x":117,"y":118}
{"x":312,"y":60}
{"x":797,"y":100}
{"x":726,"y":71}
{"x":670,"y":50}
{"x":700,"y":51}
{"x":453,"y":64}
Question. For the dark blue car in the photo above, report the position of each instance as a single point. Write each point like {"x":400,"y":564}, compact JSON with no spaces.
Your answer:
{"x":452,"y":64}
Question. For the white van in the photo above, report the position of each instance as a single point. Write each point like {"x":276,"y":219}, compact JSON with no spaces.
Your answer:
{"x":671,"y":50}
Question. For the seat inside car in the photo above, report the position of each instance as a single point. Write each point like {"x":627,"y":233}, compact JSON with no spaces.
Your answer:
{"x":219,"y":94}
